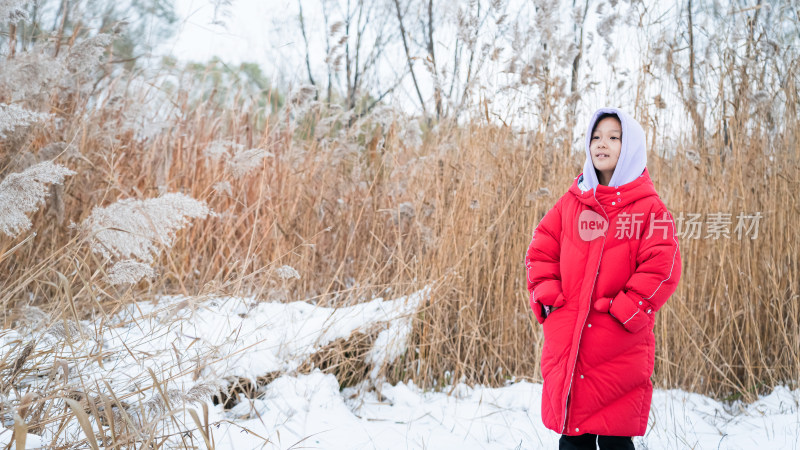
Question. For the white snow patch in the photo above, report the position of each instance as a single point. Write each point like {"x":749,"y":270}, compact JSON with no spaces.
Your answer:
{"x":311,"y":410}
{"x":187,"y":341}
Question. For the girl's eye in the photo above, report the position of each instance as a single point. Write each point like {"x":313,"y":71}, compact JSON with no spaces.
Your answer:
{"x":595,"y":137}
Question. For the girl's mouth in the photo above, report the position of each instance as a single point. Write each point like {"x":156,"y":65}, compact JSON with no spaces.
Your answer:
{"x":601,"y":156}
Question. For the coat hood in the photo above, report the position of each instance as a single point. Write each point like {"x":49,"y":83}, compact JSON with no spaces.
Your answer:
{"x":614,"y":197}
{"x":632,"y":155}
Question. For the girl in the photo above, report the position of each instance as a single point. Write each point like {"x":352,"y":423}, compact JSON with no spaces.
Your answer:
{"x":601,"y":262}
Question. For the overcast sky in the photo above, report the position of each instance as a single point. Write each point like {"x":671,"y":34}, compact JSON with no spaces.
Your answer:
{"x":266,"y":32}
{"x":250,"y":32}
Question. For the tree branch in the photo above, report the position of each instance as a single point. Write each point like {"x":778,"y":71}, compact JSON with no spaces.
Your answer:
{"x":408,"y":56}
{"x":305,"y":39}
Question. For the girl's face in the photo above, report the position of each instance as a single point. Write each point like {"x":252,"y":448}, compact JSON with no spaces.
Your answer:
{"x":605,"y":147}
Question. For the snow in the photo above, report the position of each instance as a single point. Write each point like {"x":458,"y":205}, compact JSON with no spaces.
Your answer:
{"x":311,"y":407}
{"x":190,"y":341}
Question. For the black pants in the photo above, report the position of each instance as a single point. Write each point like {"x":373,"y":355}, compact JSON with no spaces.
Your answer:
{"x":591,"y":441}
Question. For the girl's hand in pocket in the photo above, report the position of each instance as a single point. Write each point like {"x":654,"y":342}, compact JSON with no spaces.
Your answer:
{"x":602,"y":304}
{"x":550,"y":309}
{"x":624,"y":310}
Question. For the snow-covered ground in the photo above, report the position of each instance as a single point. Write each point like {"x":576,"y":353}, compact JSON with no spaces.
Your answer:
{"x":191,"y":344}
{"x":311,"y":408}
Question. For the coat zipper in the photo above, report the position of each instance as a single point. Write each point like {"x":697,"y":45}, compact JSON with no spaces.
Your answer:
{"x":596,"y":273}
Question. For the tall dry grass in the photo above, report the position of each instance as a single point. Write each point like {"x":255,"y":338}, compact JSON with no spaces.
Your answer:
{"x":456,"y":214}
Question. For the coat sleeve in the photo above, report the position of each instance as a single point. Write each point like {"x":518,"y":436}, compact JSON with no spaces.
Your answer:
{"x":658,"y":270}
{"x":542,"y":262}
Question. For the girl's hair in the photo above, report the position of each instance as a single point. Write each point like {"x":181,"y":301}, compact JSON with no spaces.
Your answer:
{"x":604,"y":116}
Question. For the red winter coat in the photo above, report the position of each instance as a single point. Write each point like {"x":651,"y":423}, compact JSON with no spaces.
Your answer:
{"x":591,"y":257}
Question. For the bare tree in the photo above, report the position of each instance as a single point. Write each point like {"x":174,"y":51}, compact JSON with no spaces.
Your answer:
{"x":472,"y":24}
{"x":690,"y":99}
{"x":576,"y":63}
{"x":368,"y":21}
{"x":305,"y":41}
{"x":355,"y":39}
{"x":329,"y":30}
{"x":437,"y":85}
{"x":409,"y":59}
